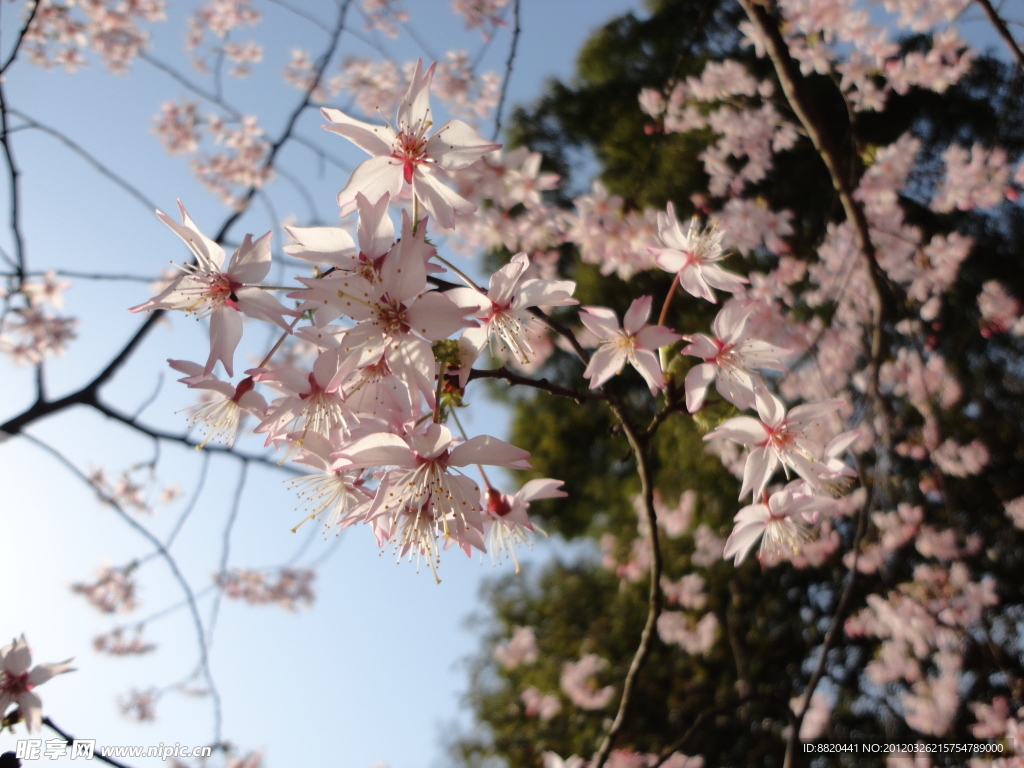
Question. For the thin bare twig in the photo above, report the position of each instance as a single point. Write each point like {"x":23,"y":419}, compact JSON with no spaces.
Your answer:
{"x":204,"y":659}
{"x":83,"y":153}
{"x":1003,"y":30}
{"x":21,"y":37}
{"x":508,"y":71}
{"x":641,"y":452}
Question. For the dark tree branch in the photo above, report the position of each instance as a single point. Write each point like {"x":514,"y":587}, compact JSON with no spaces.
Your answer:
{"x":641,"y":452}
{"x":21,"y":37}
{"x":69,"y":738}
{"x":505,"y":374}
{"x":14,"y":185}
{"x":225,"y":551}
{"x":840,"y":171}
{"x":508,"y":71}
{"x":1003,"y":30}
{"x":198,"y":90}
{"x":87,"y":395}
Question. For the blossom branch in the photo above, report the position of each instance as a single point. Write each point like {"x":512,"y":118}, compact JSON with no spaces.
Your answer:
{"x":641,"y":451}
{"x":505,"y":374}
{"x":840,"y":172}
{"x":15,"y":188}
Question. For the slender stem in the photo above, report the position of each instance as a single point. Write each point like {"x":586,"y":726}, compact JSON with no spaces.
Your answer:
{"x":641,"y":452}
{"x":1003,"y":30}
{"x":508,"y":71}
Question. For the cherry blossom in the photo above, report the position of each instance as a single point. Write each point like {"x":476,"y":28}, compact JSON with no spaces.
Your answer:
{"x":503,"y":312}
{"x":507,"y":522}
{"x":408,"y":156}
{"x":728,"y":359}
{"x":778,"y":438}
{"x":204,"y":290}
{"x":520,"y":649}
{"x":422,"y":498}
{"x":113,"y":591}
{"x":781,"y":522}
{"x":633,"y":342}
{"x":537,"y":704}
{"x":693,"y":256}
{"x":578,"y":684}
{"x":694,"y":637}
{"x":17,"y":682}
{"x":219,"y":417}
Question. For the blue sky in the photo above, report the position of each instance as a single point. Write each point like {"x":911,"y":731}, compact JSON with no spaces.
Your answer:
{"x":375,"y":670}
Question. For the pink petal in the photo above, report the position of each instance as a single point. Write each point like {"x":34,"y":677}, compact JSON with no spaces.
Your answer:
{"x":261,"y":305}
{"x":43,"y":672}
{"x":376,"y":231}
{"x":731,"y":321}
{"x":698,"y":379}
{"x":376,"y":450}
{"x":545,"y":293}
{"x":209,"y":255}
{"x":225,"y":333}
{"x":701,"y":346}
{"x":250,"y":262}
{"x":436,"y":317}
{"x":456,"y":145}
{"x":322,"y":245}
{"x":656,"y":337}
{"x":374,"y":178}
{"x":761,"y":463}
{"x":544,"y":488}
{"x":649,"y":366}
{"x":439,"y":201}
{"x":604,"y":363}
{"x":740,"y":429}
{"x":637,"y":314}
{"x":600,"y":321}
{"x":503,"y":282}
{"x":402,"y":277}
{"x":372,"y":139}
{"x":485,"y":449}
{"x":741,"y":540}
{"x":414,"y":111}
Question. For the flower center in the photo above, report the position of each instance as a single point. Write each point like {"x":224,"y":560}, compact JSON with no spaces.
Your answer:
{"x":15,"y":685}
{"x":412,"y":151}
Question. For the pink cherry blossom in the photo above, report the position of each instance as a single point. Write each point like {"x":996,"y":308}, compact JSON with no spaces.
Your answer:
{"x":693,"y":256}
{"x":777,"y":439}
{"x":782,"y":520}
{"x":507,"y":522}
{"x":409,"y":156}
{"x":206,"y":290}
{"x":634,"y":343}
{"x":694,"y":637}
{"x":219,"y":416}
{"x":17,"y":682}
{"x":537,"y":704}
{"x":424,"y":496}
{"x":503,"y":312}
{"x":578,"y":683}
{"x":520,"y":649}
{"x":728,"y":359}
